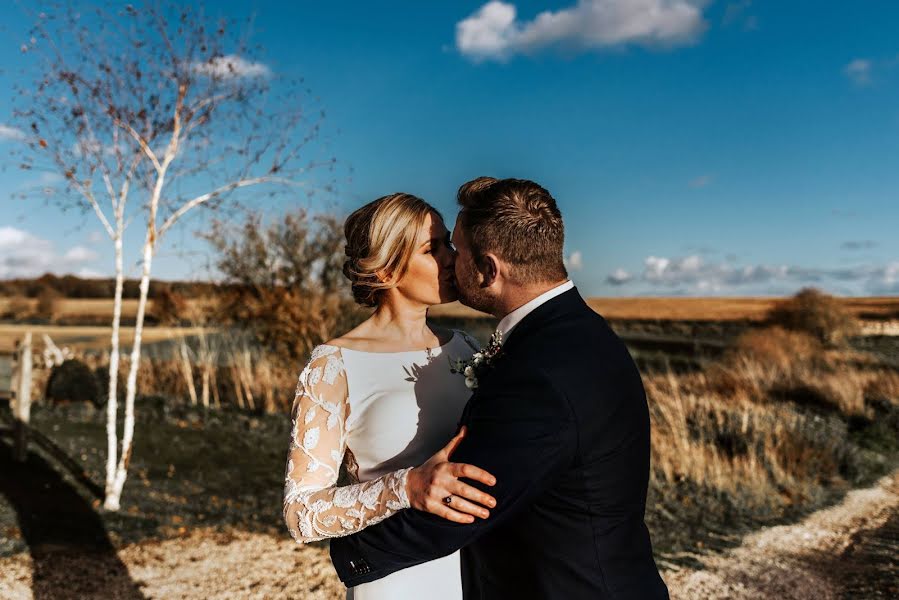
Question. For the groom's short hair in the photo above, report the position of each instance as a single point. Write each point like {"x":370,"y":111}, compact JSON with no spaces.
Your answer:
{"x":518,"y":221}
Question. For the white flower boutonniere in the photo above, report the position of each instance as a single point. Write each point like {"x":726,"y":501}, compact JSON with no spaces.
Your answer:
{"x":479,"y":361}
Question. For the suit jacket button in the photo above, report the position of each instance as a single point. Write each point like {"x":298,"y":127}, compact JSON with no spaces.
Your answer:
{"x":359,"y":567}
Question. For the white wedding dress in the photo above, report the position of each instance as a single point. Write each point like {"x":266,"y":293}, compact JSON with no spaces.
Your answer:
{"x":378,"y":414}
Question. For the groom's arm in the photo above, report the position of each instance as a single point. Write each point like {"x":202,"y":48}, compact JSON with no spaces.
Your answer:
{"x":522,"y":432}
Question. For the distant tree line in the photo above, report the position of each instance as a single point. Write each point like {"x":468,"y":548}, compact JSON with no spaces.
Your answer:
{"x":71,"y":286}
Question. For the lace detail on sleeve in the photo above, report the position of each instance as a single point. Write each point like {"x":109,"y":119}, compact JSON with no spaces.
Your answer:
{"x":314,"y":506}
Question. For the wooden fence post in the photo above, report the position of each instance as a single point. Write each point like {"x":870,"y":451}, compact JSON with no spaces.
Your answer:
{"x":22,"y":411}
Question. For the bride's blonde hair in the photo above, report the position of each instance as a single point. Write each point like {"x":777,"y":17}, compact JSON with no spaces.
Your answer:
{"x":380,"y":239}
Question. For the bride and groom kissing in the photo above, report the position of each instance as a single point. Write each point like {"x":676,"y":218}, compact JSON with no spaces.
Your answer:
{"x":515,"y":471}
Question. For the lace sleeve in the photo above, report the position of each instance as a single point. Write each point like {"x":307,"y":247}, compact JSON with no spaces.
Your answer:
{"x":314,"y":506}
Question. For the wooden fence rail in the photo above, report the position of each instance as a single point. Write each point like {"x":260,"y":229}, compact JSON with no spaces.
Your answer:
{"x":15,"y":377}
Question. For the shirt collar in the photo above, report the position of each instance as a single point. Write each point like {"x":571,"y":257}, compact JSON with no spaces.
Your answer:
{"x":508,"y":323}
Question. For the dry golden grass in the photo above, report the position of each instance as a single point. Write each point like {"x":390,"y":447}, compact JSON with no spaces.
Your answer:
{"x":728,"y":445}
{"x":212,"y":372}
{"x":760,"y":453}
{"x":772,"y":363}
{"x":766,"y":424}
{"x":777,"y":347}
{"x":698,"y":309}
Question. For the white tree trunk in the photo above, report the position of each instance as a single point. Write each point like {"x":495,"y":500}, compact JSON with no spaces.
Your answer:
{"x":188,"y":373}
{"x":112,"y":398}
{"x":114,"y":495}
{"x":205,"y":390}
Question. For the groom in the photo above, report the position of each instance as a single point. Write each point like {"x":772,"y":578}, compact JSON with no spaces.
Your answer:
{"x":559,"y":416}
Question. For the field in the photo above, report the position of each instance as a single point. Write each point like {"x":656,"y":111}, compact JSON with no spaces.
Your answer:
{"x":659,"y":308}
{"x":700,"y":309}
{"x":82,"y":322}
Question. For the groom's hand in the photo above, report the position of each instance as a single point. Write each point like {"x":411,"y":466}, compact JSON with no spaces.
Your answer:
{"x":429,"y":485}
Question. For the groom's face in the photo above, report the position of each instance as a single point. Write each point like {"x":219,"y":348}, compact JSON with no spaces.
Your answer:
{"x":468,"y":277}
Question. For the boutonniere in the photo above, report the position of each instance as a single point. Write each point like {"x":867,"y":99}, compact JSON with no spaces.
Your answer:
{"x":479,"y":361}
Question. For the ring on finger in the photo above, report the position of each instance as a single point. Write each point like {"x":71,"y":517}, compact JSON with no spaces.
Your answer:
{"x":448,"y":500}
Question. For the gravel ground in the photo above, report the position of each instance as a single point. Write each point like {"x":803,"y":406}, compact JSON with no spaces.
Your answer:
{"x":203,"y":564}
{"x":847,"y":551}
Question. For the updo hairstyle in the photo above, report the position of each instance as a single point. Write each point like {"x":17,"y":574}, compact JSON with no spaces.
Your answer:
{"x":380,"y":240}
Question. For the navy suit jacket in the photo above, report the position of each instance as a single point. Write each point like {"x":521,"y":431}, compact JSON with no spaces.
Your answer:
{"x":560,"y":418}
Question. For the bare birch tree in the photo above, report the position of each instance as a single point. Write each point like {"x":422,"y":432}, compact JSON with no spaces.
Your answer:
{"x":147,"y":113}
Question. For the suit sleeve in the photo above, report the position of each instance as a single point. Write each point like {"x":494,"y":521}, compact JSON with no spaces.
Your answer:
{"x":520,"y":431}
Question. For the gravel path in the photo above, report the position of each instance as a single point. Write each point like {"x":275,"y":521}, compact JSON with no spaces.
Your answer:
{"x":847,"y":551}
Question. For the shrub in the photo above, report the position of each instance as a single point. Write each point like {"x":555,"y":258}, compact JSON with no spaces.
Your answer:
{"x":73,"y":381}
{"x":777,"y":347}
{"x":283,"y":281}
{"x":169,"y":307}
{"x":47,"y":304}
{"x":884,"y":387}
{"x":816,"y":313}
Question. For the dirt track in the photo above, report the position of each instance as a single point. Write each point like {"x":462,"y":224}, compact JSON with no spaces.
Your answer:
{"x":847,"y":551}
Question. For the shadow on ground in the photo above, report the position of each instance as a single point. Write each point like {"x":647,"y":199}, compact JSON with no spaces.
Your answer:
{"x":61,"y":528}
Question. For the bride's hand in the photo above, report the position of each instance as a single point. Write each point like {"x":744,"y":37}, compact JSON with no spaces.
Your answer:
{"x":429,"y":484}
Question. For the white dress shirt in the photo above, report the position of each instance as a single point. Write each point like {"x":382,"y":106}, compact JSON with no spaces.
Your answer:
{"x":508,"y":323}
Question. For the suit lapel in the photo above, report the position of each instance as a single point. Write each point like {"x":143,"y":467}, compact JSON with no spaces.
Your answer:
{"x":561,"y":305}
{"x":558,"y":307}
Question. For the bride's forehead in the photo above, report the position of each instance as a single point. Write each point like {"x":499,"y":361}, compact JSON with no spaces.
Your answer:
{"x":433,"y":227}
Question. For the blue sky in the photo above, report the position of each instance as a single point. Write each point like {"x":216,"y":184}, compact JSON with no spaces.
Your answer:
{"x":695,"y":148}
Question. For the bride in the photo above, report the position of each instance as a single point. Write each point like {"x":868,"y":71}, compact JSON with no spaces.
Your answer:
{"x":382,"y":402}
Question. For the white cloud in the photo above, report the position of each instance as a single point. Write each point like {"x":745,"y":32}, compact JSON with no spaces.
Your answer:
{"x":11,"y":134}
{"x":11,"y":237}
{"x":575,"y":261}
{"x":87,"y":273}
{"x":885,"y":280}
{"x":23,"y":254}
{"x":231,"y":66}
{"x":701,"y":181}
{"x":493,"y":32}
{"x":693,"y":271}
{"x":619,"y":277}
{"x":78,"y":254}
{"x":487,"y":33}
{"x":859,"y":71}
{"x":692,"y":274}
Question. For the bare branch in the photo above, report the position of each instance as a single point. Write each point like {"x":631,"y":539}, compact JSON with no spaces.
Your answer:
{"x":173,"y":218}
{"x":144,"y":146}
{"x":93,"y":202}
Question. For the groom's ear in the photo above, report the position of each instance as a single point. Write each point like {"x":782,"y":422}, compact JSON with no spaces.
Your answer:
{"x":489,"y":269}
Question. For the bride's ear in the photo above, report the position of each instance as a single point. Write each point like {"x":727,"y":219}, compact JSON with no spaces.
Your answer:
{"x":383,"y":275}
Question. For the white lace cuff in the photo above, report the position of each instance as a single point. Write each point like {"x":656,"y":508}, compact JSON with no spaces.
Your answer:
{"x":402,"y":477}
